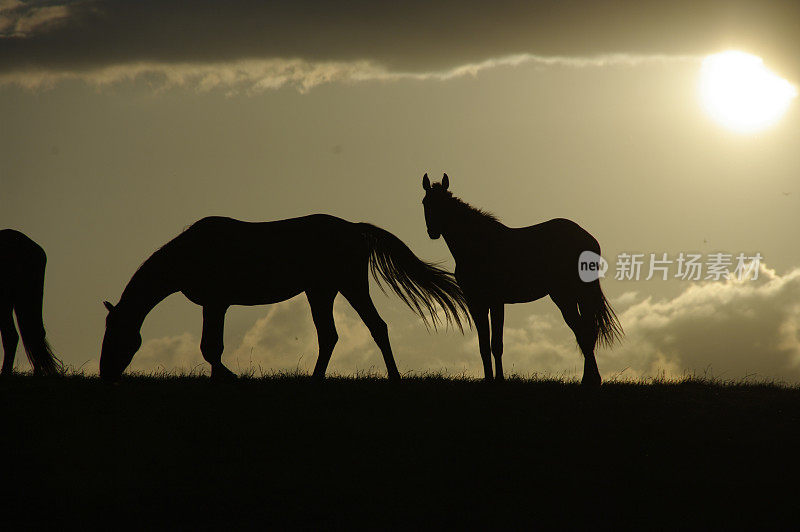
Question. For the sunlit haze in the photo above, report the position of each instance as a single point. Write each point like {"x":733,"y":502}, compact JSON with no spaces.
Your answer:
{"x":742,"y":94}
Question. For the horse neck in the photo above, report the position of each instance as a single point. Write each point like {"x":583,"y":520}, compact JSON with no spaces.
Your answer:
{"x":147,"y":288}
{"x":463,"y":225}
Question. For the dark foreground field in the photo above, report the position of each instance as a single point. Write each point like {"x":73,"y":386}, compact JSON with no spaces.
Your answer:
{"x":284,"y":451}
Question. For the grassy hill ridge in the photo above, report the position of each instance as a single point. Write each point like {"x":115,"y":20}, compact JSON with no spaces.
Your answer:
{"x":285,"y":451}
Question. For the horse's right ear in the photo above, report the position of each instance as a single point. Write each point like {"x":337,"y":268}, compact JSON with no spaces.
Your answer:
{"x":108,"y":306}
{"x":426,"y":183}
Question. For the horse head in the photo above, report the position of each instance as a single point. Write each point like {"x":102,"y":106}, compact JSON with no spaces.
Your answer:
{"x":433,"y":202}
{"x":120,"y":343}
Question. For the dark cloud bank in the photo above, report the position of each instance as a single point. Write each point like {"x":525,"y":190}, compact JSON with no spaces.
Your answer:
{"x":414,"y":36}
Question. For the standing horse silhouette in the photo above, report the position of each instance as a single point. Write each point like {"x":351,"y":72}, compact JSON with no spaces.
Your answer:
{"x":496,"y":265}
{"x":22,"y":265}
{"x":218,"y":262}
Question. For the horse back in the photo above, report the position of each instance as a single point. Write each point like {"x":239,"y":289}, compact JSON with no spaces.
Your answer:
{"x":22,"y":264}
{"x":526,"y":263}
{"x":559,"y":235}
{"x":261,"y":262}
{"x":19,"y":247}
{"x":291,"y":240}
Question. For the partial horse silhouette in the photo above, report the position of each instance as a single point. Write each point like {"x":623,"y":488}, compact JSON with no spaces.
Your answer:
{"x":22,"y":265}
{"x":496,"y":265}
{"x":218,"y":262}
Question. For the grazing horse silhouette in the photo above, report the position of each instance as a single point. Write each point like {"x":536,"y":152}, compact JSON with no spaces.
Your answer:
{"x":218,"y":262}
{"x":496,"y":265}
{"x":22,"y":265}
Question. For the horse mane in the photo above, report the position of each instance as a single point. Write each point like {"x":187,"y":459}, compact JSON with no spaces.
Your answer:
{"x":151,"y":262}
{"x":154,"y":266}
{"x":465,"y":208}
{"x":161,"y":252}
{"x":152,"y":269}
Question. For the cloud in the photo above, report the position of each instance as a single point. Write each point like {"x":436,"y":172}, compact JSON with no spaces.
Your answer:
{"x":734,"y":329}
{"x":255,"y":76}
{"x":283,"y":340}
{"x":170,"y":353}
{"x":286,"y":340}
{"x":21,"y":20}
{"x":253,"y":46}
{"x":731,"y":330}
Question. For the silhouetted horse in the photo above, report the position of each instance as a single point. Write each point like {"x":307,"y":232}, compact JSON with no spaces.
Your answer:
{"x":496,"y":265}
{"x":218,"y":262}
{"x":22,"y":264}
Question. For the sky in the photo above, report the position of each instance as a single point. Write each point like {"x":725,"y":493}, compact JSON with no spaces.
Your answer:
{"x":121,"y":123}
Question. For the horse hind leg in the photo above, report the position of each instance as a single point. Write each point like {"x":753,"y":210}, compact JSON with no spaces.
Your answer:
{"x":497,"y":317}
{"x":211,"y":344}
{"x":10,"y":338}
{"x":586,"y":335}
{"x":360,"y":300}
{"x":31,"y":329}
{"x":321,"y":303}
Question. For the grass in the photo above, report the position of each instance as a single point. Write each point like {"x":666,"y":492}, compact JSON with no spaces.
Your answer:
{"x":280,"y":450}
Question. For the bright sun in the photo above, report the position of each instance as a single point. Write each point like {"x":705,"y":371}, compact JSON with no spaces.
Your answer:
{"x":740,"y":93}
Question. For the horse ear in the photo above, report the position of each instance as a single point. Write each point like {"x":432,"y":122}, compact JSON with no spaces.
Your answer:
{"x":445,"y":181}
{"x":108,"y":306}
{"x":426,"y":183}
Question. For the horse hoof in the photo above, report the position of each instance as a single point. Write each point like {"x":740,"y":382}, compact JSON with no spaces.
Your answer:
{"x":591,"y":382}
{"x":223,"y":374}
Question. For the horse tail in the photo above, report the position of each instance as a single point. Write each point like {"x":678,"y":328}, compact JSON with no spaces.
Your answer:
{"x":28,"y":309}
{"x":421,"y":285}
{"x":43,"y":359}
{"x":602,"y":317}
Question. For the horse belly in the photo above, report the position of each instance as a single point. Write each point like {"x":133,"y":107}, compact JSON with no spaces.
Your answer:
{"x":245,"y":285}
{"x":524,"y":296}
{"x":511,"y":285}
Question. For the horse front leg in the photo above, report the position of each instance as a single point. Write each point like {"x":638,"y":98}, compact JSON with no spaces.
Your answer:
{"x":497,"y":313}
{"x":211,"y":345}
{"x":480,"y":316}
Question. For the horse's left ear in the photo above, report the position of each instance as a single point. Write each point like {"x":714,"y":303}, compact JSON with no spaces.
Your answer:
{"x":445,"y":181}
{"x":426,"y":183}
{"x":108,"y":306}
